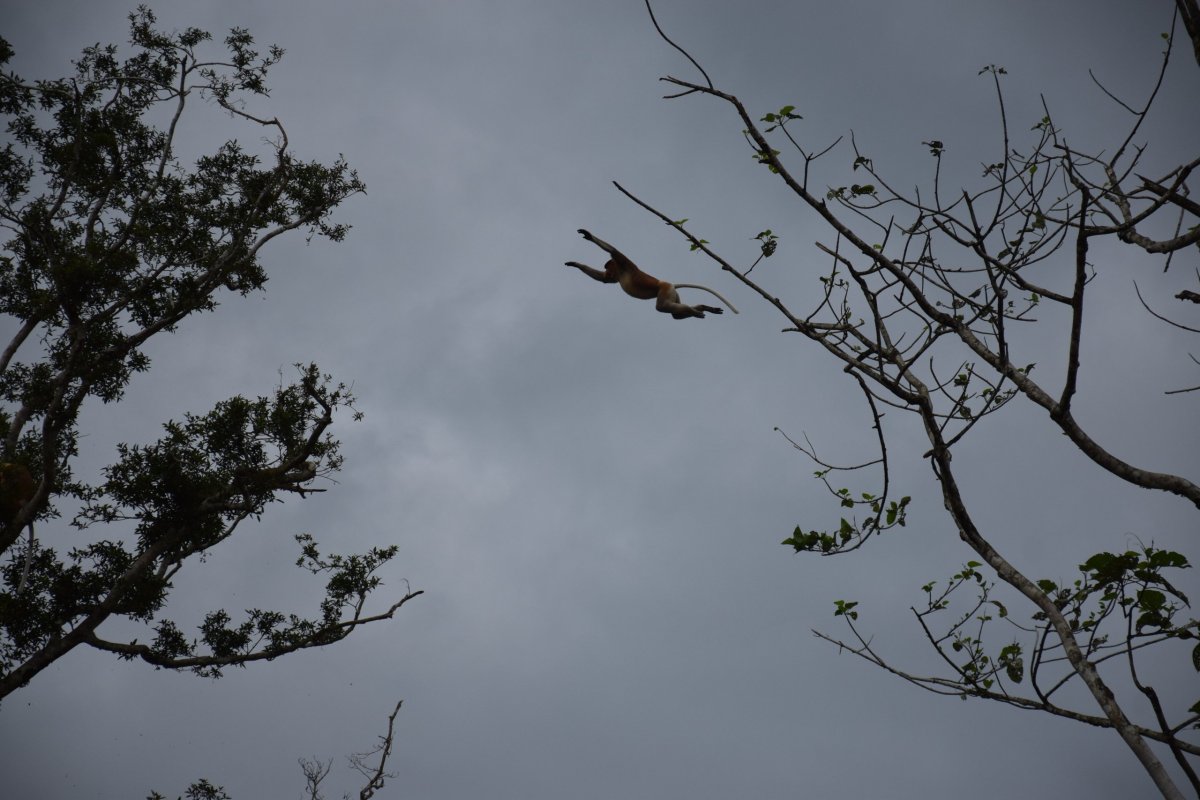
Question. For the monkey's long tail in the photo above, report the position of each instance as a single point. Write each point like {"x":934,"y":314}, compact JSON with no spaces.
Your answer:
{"x":706,"y":289}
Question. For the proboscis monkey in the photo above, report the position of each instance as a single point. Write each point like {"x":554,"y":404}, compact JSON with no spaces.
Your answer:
{"x":636,"y":283}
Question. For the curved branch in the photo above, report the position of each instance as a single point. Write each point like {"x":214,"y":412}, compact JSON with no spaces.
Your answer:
{"x":944,"y":686}
{"x":327,"y":636}
{"x":667,"y":39}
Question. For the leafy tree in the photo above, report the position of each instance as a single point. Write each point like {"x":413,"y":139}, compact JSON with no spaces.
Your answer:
{"x":111,"y":241}
{"x":938,"y":277}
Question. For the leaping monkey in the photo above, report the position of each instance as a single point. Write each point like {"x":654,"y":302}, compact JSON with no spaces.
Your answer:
{"x":636,"y":283}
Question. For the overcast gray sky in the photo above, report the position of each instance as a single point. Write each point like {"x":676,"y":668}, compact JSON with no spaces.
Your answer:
{"x":591,"y":494}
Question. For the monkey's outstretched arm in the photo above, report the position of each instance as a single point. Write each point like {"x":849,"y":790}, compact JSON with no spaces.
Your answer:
{"x":600,"y":275}
{"x":612,"y":251}
{"x":603,"y":245}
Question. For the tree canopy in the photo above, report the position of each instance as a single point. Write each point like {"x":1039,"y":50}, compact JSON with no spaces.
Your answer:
{"x":112,"y":239}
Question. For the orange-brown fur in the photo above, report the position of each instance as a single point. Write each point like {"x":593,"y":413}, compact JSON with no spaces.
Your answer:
{"x":636,"y":283}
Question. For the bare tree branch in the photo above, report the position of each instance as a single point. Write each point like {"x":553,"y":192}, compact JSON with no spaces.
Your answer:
{"x":914,"y":275}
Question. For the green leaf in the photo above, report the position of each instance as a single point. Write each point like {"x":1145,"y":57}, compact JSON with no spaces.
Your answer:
{"x":1151,"y":600}
{"x":1099,"y":561}
{"x":845,"y":608}
{"x":1167,"y":558}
